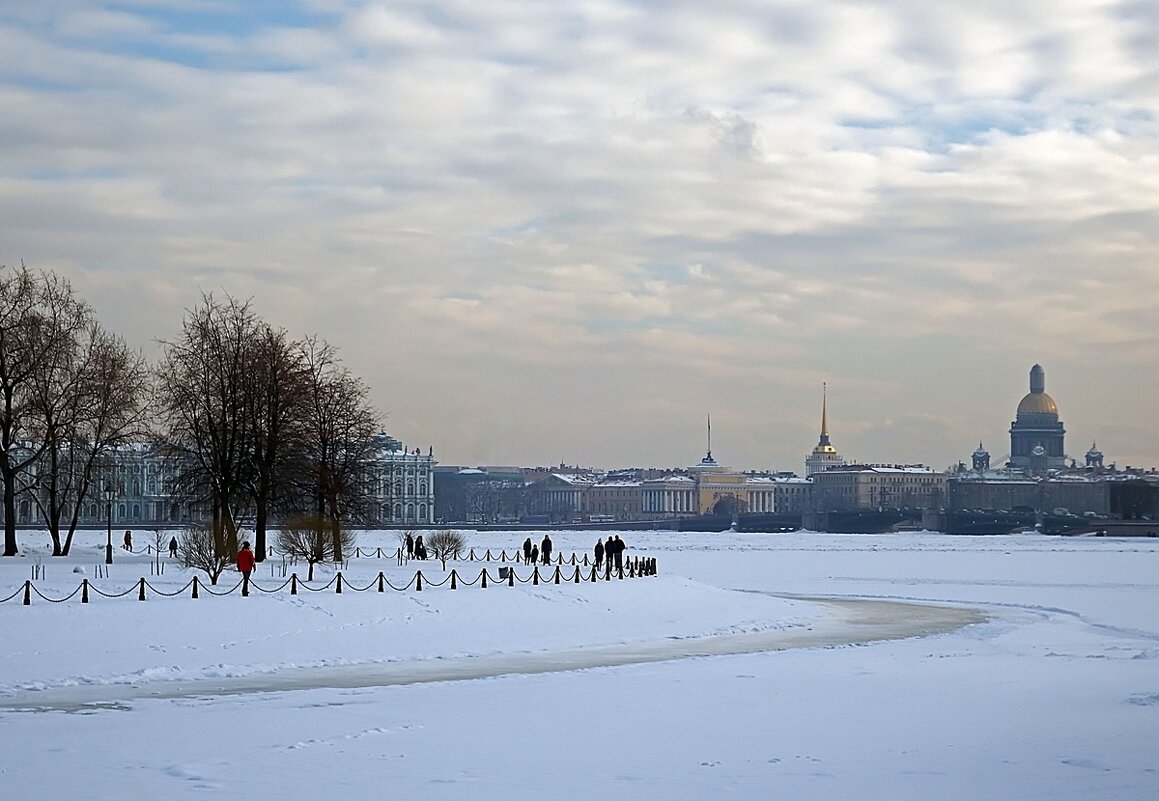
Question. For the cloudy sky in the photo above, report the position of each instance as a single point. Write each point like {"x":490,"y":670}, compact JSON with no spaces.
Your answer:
{"x":571,"y":231}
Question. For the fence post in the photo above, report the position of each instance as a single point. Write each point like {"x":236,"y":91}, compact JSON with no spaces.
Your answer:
{"x":419,"y":581}
{"x":594,"y":571}
{"x":557,"y":574}
{"x":381,"y":581}
{"x":483,"y":577}
{"x":27,"y":592}
{"x":535,"y":577}
{"x":84,"y":591}
{"x":621,"y":572}
{"x":577,"y":572}
{"x":195,"y":588}
{"x":510,"y":577}
{"x":141,"y":594}
{"x":338,"y":584}
{"x":454,"y":586}
{"x":293,"y":584}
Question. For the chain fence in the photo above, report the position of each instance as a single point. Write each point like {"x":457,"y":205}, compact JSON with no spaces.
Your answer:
{"x":633,"y":567}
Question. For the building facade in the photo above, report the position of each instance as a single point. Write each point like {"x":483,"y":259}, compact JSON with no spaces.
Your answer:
{"x":852,"y":487}
{"x":400,"y":490}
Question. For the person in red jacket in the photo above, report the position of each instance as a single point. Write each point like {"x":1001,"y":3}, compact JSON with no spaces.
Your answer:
{"x":245,"y":564}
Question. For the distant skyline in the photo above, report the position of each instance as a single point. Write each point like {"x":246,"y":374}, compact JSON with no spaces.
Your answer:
{"x":568,"y":232}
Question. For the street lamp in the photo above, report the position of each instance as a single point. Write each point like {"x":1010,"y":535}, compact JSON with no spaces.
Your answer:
{"x":109,"y":517}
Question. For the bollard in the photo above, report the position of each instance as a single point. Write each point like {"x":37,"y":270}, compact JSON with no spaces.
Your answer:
{"x":338,"y":583}
{"x":535,"y":577}
{"x":595,"y":571}
{"x":557,"y":574}
{"x":621,"y":572}
{"x":510,"y":577}
{"x":454,"y":586}
{"x":195,"y":588}
{"x":577,"y":574}
{"x":419,"y":581}
{"x":27,"y":592}
{"x":483,"y":578}
{"x":381,"y":581}
{"x":631,"y":574}
{"x":141,"y":594}
{"x":84,"y":591}
{"x":293,"y":584}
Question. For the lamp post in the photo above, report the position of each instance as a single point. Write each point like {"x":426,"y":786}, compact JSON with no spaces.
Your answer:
{"x":109,"y":517}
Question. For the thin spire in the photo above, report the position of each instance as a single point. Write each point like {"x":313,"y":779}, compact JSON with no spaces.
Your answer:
{"x":824,"y":414}
{"x":710,"y":436}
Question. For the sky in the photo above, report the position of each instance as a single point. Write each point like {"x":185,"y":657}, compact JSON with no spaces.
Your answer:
{"x":570,"y":232}
{"x":751,"y":666}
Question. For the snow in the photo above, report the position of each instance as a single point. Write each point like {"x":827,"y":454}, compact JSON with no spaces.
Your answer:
{"x":802,"y":666}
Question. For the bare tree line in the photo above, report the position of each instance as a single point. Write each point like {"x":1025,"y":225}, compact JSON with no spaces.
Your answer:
{"x":254,"y":423}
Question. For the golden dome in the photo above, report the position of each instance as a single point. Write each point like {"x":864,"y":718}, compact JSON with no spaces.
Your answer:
{"x":1037,"y":403}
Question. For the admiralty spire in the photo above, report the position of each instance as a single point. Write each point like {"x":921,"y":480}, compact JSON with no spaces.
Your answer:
{"x":824,"y":455}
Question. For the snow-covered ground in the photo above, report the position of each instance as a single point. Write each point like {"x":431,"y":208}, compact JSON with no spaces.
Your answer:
{"x":796,"y":666}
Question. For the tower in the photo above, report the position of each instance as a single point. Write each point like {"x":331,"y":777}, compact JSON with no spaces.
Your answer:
{"x":980,"y":459}
{"x":1036,"y":435}
{"x":824,"y":455}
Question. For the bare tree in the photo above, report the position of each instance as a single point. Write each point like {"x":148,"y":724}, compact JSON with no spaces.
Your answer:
{"x":446,"y":545}
{"x":91,"y":401}
{"x":42,"y":383}
{"x":204,"y":390}
{"x":197,"y":549}
{"x":307,"y":538}
{"x":336,"y":471}
{"x":276,"y":411}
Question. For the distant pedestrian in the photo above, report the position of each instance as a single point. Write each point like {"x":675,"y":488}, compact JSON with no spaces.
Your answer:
{"x":609,"y":555}
{"x":245,"y":564}
{"x":527,"y":550}
{"x":534,"y":555}
{"x":619,"y":545}
{"x":599,"y":553}
{"x":173,"y":546}
{"x":420,"y":548}
{"x":545,"y":549}
{"x":410,"y":546}
{"x":128,"y":546}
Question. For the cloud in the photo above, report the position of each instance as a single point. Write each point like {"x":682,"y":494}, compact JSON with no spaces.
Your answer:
{"x":579,"y":224}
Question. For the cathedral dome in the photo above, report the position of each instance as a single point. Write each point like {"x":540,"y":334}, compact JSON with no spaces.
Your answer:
{"x":1037,"y":403}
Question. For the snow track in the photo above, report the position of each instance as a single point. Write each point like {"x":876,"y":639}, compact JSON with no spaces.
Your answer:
{"x":850,"y":622}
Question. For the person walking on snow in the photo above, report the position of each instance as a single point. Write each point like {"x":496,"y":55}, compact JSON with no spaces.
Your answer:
{"x":245,"y":565}
{"x":619,"y":545}
{"x":527,"y":550}
{"x":599,"y":553}
{"x":545,"y":549}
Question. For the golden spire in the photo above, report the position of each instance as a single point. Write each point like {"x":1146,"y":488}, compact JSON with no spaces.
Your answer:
{"x":824,"y":413}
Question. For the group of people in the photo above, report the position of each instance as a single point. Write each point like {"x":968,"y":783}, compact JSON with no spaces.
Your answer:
{"x":533,"y":552}
{"x":415,"y":548}
{"x":610,"y":553}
